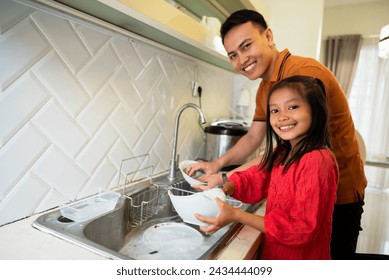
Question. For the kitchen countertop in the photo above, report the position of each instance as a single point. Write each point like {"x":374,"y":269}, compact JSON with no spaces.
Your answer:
{"x":20,"y":241}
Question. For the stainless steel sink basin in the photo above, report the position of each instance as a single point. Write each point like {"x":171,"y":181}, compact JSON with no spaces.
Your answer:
{"x":120,"y":234}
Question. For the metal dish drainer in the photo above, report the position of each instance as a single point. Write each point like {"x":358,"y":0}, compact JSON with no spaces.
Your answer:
{"x":148,"y":203}
{"x":134,"y":168}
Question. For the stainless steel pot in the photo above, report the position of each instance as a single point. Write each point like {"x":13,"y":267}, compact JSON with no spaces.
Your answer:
{"x":221,"y":136}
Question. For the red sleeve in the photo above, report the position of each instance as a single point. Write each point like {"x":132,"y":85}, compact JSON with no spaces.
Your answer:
{"x":311,"y":184}
{"x":250,"y":184}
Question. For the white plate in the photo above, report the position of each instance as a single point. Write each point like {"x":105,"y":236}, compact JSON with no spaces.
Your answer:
{"x":191,"y":180}
{"x":170,"y":237}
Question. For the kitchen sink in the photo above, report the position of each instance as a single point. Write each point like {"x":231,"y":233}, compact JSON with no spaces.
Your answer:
{"x":143,"y":225}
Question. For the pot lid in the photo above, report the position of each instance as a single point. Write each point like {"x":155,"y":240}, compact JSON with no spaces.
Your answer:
{"x":242,"y":122}
{"x":227,"y":128}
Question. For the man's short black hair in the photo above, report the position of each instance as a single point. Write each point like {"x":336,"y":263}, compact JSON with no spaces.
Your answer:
{"x":240,"y":17}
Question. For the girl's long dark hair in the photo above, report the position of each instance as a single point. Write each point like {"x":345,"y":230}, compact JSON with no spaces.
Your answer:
{"x":313,"y":91}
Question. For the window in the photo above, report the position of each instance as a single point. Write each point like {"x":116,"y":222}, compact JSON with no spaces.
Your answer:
{"x":369,"y":103}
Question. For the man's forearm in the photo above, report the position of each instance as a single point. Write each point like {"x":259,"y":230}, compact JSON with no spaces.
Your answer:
{"x":255,"y":161}
{"x":244,"y":148}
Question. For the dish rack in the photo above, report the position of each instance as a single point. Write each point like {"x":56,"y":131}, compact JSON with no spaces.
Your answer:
{"x":133,"y":169}
{"x":148,"y":203}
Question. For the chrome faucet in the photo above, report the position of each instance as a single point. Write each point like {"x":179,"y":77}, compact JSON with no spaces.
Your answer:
{"x":173,"y":160}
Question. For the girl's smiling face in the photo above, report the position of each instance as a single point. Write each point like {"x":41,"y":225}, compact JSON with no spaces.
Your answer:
{"x":290,"y":115}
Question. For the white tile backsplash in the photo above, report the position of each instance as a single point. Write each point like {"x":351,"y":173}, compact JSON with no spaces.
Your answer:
{"x":77,"y":99}
{"x":64,"y":39}
{"x":54,"y":75}
{"x":20,"y":47}
{"x":19,"y":155}
{"x":11,"y":14}
{"x":130,"y":59}
{"x":60,"y":172}
{"x":98,"y":110}
{"x":97,"y":149}
{"x":125,"y":127}
{"x":18,"y":103}
{"x":92,"y":40}
{"x":24,"y":198}
{"x":58,"y":131}
{"x":98,"y":70}
{"x":104,"y":175}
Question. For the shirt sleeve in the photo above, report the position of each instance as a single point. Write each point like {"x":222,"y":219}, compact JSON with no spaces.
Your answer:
{"x":250,"y":184}
{"x":301,"y":212}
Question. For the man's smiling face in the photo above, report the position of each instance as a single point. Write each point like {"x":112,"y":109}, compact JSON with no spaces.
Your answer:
{"x":250,"y":49}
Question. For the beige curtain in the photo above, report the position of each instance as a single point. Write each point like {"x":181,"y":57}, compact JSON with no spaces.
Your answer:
{"x":341,"y":57}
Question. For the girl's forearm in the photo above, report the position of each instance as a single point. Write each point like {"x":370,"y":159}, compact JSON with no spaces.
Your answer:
{"x":252,"y":220}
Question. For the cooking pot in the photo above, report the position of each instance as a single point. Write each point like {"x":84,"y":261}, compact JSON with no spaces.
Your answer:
{"x":221,"y":136}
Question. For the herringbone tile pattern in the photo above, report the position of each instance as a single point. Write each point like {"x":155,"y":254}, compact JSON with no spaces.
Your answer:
{"x":76,"y":100}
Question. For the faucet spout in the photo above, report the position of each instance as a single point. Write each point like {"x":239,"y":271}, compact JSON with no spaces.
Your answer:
{"x":173,"y":160}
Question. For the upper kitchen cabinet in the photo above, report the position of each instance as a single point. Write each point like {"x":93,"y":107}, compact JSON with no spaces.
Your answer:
{"x":175,"y":24}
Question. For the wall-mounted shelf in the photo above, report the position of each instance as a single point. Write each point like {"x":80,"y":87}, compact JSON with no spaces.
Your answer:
{"x":148,"y":28}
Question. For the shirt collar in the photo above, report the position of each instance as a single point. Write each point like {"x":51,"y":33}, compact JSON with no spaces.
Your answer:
{"x":282,"y":57}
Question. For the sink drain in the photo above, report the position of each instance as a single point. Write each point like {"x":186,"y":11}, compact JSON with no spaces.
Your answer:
{"x":63,"y":219}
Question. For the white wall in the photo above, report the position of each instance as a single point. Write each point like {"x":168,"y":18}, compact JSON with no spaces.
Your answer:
{"x":76,"y":99}
{"x":366,"y":19}
{"x":297,"y":25}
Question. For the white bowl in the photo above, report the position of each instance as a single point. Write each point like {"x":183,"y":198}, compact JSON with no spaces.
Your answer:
{"x":202,"y":203}
{"x":190,"y":179}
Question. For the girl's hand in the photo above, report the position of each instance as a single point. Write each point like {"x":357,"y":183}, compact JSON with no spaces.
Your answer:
{"x":226,"y":215}
{"x":211,"y":180}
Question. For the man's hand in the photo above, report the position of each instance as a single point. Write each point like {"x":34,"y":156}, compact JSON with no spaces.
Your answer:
{"x":208,"y":168}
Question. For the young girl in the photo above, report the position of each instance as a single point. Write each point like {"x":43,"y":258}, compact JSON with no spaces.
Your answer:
{"x":298,"y":178}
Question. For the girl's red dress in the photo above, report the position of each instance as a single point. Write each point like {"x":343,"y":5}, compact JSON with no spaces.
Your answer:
{"x":299,"y":207}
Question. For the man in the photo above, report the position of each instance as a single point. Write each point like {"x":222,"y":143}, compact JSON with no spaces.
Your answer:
{"x":252,"y":52}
